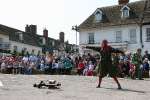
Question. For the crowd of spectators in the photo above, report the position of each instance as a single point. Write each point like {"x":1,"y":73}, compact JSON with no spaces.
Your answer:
{"x":128,"y":65}
{"x":28,"y":64}
{"x":133,"y":65}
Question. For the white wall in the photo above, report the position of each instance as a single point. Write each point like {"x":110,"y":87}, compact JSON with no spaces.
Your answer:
{"x":109,"y":33}
{"x":20,"y":46}
{"x":5,"y":38}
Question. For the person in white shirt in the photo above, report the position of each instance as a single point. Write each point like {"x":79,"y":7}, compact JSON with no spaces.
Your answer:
{"x":25,"y":59}
{"x":3,"y":67}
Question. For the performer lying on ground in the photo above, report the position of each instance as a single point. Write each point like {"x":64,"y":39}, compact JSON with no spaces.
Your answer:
{"x":105,"y":66}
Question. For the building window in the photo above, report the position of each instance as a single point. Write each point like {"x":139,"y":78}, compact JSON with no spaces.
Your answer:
{"x":133,"y":36}
{"x":43,"y":41}
{"x":91,"y":38}
{"x":148,"y":34}
{"x":118,"y":36}
{"x":53,"y":43}
{"x":125,"y":11}
{"x":21,"y":36}
{"x":98,"y":16}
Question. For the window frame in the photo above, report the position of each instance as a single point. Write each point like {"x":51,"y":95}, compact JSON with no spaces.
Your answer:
{"x":147,"y":34}
{"x":98,"y":15}
{"x":21,"y":36}
{"x":118,"y":35}
{"x":91,"y":38}
{"x":132,"y":36}
{"x":125,"y":12}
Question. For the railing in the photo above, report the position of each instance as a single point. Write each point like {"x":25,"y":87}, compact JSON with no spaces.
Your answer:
{"x":113,"y":44}
{"x":5,"y":45}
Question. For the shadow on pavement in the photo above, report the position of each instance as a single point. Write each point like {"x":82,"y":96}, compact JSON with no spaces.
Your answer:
{"x":126,"y":90}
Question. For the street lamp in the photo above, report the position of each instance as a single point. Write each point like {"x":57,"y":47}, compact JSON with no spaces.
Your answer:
{"x":75,"y":28}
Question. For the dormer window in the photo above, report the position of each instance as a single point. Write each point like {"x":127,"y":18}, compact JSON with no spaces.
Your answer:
{"x":125,"y":12}
{"x":98,"y":15}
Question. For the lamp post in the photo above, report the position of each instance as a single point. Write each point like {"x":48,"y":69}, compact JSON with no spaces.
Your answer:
{"x":75,"y":28}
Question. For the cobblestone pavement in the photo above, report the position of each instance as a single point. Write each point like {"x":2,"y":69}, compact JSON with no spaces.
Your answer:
{"x":20,"y":87}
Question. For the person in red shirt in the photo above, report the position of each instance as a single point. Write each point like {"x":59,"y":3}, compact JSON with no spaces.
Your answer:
{"x":80,"y":68}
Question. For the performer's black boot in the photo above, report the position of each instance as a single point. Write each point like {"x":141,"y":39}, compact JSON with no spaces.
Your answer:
{"x":99,"y":82}
{"x":116,"y":80}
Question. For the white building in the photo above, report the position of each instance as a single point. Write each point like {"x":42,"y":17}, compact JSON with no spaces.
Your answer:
{"x":126,"y":26}
{"x":12,"y":39}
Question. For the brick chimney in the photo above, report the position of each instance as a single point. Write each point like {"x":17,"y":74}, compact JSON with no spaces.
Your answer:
{"x":31,"y":29}
{"x":27,"y":28}
{"x":45,"y":33}
{"x":61,"y":37}
{"x":122,"y":2}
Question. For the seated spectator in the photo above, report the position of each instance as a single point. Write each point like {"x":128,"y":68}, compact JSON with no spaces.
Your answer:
{"x":20,"y":67}
{"x":3,"y":67}
{"x":132,"y":71}
{"x":120,"y":68}
{"x":81,"y":67}
{"x":60,"y":67}
{"x":145,"y":68}
{"x":42,"y":65}
{"x":15,"y":67}
{"x":85,"y":71}
{"x":90,"y":69}
{"x":67,"y":65}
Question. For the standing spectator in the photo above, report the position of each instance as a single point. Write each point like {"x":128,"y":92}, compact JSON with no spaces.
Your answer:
{"x":137,"y":61}
{"x":146,"y":55}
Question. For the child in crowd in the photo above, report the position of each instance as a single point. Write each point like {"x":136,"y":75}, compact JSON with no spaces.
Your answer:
{"x":90,"y":69}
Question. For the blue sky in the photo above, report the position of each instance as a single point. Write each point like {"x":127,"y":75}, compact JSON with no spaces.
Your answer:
{"x":55,"y":15}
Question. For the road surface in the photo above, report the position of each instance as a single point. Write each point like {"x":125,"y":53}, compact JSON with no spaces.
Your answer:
{"x":20,"y":87}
